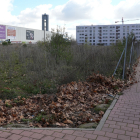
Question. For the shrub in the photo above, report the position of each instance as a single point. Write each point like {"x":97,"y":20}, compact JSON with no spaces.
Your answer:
{"x":4,"y":43}
{"x":24,"y":44}
{"x":9,"y":42}
{"x":59,"y":45}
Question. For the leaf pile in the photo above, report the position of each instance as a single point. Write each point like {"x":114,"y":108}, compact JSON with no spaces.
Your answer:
{"x":71,"y":106}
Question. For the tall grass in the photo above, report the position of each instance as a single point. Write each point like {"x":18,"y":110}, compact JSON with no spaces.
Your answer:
{"x":35,"y":68}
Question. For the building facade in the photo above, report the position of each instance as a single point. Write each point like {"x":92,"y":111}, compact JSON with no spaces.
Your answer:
{"x":20,"y":34}
{"x":105,"y":34}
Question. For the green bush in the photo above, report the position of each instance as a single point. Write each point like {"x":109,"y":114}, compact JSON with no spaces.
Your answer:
{"x":4,"y":43}
{"x":9,"y":42}
{"x":24,"y":45}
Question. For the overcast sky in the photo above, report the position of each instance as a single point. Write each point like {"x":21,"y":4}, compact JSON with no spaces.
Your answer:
{"x":68,"y":13}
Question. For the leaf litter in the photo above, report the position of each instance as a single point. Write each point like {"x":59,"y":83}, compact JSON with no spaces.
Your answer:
{"x":70,"y":107}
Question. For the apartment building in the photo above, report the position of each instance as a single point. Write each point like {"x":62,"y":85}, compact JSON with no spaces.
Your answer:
{"x":105,"y":34}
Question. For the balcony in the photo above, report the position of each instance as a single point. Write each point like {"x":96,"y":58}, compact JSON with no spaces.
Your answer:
{"x":117,"y":27}
{"x":117,"y":30}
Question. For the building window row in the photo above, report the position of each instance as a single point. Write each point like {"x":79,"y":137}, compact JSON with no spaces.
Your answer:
{"x":137,"y":36}
{"x":105,"y":33}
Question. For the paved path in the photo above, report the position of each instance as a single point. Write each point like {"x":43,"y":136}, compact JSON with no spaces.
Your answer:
{"x":123,"y":123}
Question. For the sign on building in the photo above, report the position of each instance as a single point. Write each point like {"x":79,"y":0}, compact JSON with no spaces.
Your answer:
{"x":29,"y":35}
{"x":11,"y":32}
{"x":2,"y":32}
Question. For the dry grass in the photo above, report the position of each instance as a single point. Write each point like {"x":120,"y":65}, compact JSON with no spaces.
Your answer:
{"x":34,"y":69}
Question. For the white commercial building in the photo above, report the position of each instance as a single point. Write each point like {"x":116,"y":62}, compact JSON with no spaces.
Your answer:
{"x":20,"y":34}
{"x":105,"y":34}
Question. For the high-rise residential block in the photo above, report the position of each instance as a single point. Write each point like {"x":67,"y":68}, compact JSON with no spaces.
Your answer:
{"x":105,"y":34}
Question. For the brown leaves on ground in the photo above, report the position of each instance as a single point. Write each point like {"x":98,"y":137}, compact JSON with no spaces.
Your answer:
{"x":71,"y":106}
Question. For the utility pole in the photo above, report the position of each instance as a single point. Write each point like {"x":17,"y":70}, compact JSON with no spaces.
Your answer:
{"x":44,"y":29}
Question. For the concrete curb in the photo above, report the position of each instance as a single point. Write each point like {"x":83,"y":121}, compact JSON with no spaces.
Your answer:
{"x":100,"y":125}
{"x":32,"y":128}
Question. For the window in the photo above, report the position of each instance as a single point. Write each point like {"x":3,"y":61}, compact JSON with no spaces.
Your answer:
{"x":112,"y":33}
{"x":123,"y":28}
{"x":117,"y":27}
{"x":112,"y":30}
{"x":105,"y":27}
{"x":112,"y":37}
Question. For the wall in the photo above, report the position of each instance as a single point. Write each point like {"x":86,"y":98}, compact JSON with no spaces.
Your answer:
{"x":18,"y":34}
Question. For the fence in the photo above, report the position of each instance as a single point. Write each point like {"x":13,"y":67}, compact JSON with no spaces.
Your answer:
{"x":133,"y":51}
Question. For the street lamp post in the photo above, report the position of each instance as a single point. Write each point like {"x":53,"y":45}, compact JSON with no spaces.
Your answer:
{"x":44,"y":29}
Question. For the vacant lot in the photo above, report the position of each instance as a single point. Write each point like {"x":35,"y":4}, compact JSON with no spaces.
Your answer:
{"x":33,"y":69}
{"x":59,"y":73}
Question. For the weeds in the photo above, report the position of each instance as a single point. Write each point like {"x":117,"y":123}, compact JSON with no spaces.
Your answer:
{"x":41,"y":68}
{"x":120,"y":93}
